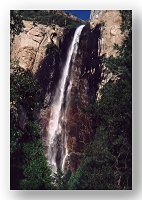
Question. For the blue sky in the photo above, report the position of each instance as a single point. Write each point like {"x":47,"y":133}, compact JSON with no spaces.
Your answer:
{"x":82,"y":14}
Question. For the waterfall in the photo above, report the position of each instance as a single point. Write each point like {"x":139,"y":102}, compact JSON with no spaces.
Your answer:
{"x":57,"y":138}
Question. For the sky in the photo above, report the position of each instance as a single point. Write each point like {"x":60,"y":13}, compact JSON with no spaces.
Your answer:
{"x":82,"y":14}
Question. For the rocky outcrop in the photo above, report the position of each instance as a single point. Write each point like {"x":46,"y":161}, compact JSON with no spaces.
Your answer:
{"x":110,"y":30}
{"x":29,"y":47}
{"x":110,"y":21}
{"x":95,"y":14}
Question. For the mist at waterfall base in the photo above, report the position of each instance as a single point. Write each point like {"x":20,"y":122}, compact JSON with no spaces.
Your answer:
{"x":57,"y":137}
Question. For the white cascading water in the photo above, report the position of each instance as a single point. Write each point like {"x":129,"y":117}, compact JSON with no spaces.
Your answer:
{"x":57,"y":138}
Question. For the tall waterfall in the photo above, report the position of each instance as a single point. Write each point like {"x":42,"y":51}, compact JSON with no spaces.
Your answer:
{"x":57,"y":138}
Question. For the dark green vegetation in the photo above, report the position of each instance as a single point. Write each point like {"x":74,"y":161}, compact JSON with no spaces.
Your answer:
{"x":108,"y":158}
{"x":16,"y":23}
{"x":29,"y":167}
{"x":48,"y":17}
{"x":107,"y":163}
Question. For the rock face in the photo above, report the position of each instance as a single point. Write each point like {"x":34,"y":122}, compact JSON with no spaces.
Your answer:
{"x":89,"y":77}
{"x":85,"y":78}
{"x":48,"y":76}
{"x":43,"y":49}
{"x":30,"y":46}
{"x":95,"y":14}
{"x":85,"y":75}
{"x":110,"y":35}
{"x":110,"y":32}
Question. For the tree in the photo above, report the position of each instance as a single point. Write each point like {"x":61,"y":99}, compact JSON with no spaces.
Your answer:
{"x":16,"y":23}
{"x":29,"y":167}
{"x":36,"y":171}
{"x":60,"y":179}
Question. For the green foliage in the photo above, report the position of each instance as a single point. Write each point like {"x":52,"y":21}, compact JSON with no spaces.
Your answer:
{"x":29,"y":167}
{"x":16,"y":24}
{"x":32,"y":149}
{"x":71,"y":26}
{"x":15,"y":136}
{"x":126,"y":20}
{"x":106,"y":164}
{"x":37,"y":174}
{"x":95,"y":171}
{"x":33,"y":131}
{"x":60,"y":179}
{"x":47,"y":17}
{"x":24,"y":90}
{"x":90,"y":177}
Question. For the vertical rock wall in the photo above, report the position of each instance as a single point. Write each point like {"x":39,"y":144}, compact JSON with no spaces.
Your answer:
{"x":90,"y":75}
{"x":85,"y":75}
{"x":43,"y":50}
{"x":110,"y":21}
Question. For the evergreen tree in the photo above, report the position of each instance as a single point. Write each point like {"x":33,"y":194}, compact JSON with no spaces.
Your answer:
{"x":29,"y":167}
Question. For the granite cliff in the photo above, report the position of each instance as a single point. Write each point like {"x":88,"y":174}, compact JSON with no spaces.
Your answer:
{"x":43,"y":50}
